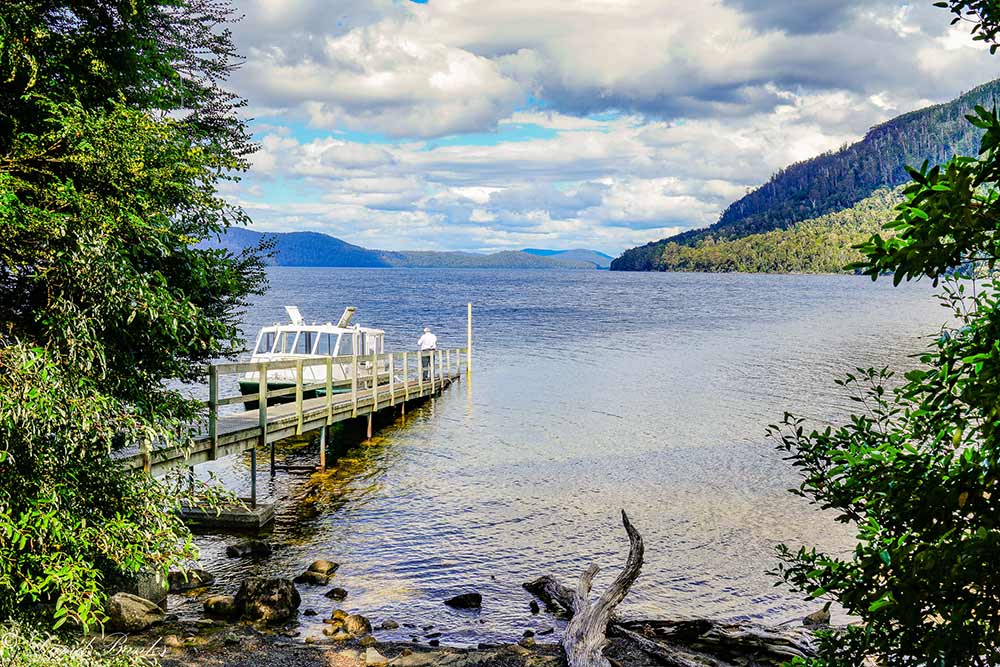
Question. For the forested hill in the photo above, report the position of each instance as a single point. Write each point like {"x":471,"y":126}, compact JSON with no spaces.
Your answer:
{"x":837,"y":180}
{"x":821,"y":245}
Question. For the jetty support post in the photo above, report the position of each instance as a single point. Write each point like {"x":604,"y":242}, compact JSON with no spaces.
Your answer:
{"x":213,"y":409}
{"x":298,"y":397}
{"x":253,"y":477}
{"x":468,"y":343}
{"x":329,"y":391}
{"x":354,"y":385}
{"x":262,"y":393}
{"x":323,"y":435}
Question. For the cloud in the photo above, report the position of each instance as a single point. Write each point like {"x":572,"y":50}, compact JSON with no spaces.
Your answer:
{"x":468,"y":124}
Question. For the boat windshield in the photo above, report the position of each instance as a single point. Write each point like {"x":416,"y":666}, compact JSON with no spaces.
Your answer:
{"x":346,"y":344}
{"x":265,"y":343}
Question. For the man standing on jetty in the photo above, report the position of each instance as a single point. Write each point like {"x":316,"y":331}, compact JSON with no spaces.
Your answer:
{"x":428,"y":343}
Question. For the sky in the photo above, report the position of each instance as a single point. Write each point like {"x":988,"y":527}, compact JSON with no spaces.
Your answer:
{"x":485,"y":125}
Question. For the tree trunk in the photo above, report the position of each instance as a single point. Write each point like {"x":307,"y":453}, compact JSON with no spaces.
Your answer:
{"x":695,"y":643}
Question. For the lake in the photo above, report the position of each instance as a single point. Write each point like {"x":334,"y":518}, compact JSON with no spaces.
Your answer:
{"x":592,"y":392}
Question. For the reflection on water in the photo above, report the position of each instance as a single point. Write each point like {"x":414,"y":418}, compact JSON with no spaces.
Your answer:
{"x":592,"y":392}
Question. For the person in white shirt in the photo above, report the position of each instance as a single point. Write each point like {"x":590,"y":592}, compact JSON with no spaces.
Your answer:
{"x":427,"y":343}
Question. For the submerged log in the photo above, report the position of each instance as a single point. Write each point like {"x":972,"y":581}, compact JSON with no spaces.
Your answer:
{"x":694,"y":643}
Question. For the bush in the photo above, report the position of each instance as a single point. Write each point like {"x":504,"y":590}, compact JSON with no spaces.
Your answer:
{"x":23,"y":647}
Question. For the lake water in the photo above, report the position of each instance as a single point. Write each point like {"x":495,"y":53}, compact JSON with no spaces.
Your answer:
{"x":593,"y":392}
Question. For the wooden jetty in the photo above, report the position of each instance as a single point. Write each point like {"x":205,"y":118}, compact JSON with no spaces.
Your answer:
{"x":377,"y":382}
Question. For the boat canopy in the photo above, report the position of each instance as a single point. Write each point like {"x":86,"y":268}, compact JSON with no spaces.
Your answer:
{"x":299,"y":339}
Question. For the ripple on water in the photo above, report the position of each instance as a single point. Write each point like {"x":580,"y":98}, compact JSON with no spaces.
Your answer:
{"x":593,"y":392}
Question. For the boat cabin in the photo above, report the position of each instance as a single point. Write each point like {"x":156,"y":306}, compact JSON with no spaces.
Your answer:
{"x":298,"y":339}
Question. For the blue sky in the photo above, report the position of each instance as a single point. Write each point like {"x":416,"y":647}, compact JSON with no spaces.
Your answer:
{"x":475,"y":125}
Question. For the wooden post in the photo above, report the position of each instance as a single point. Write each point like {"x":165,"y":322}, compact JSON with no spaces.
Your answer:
{"x":322,"y":448}
{"x":213,"y":409}
{"x":262,"y":407}
{"x":253,"y":477}
{"x":420,"y":372}
{"x":440,"y":372}
{"x":354,"y":386}
{"x":374,"y":383}
{"x":406,"y":379}
{"x":392,"y":380}
{"x":147,"y":459}
{"x":468,"y":343}
{"x":329,"y":390}
{"x":298,"y":397}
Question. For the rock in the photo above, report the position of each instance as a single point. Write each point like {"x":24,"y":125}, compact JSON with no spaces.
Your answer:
{"x":172,"y":641}
{"x":231,"y":639}
{"x":324,"y":567}
{"x":337,"y":594}
{"x":249,"y":549}
{"x":131,"y":613}
{"x":309,"y":612}
{"x":528,"y":633}
{"x":220,"y":606}
{"x":185,"y":580}
{"x":534,"y":607}
{"x":267,"y":599}
{"x":367,"y":641}
{"x":389,"y":625}
{"x":357,"y":625}
{"x":314,"y":578}
{"x":434,"y":642}
{"x":375,"y":659}
{"x":465,"y":601}
{"x":547,"y":630}
{"x":821,"y":617}
{"x":412,"y":659}
{"x":527,"y":642}
{"x":337,"y":634}
{"x":338,"y":615}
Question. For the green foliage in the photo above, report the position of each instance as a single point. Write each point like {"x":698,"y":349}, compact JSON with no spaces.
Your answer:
{"x":23,"y":647}
{"x":837,"y":180}
{"x":917,"y":470}
{"x":114,"y":138}
{"x":823,"y":245}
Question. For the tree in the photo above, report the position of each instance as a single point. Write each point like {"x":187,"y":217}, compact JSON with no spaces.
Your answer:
{"x":114,"y":137}
{"x":918,"y":471}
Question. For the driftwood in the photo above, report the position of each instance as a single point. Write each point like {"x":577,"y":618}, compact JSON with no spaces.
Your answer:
{"x":694,"y":643}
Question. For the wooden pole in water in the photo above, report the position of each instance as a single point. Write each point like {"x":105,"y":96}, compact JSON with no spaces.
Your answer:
{"x":213,"y":409}
{"x":370,"y":416}
{"x":468,"y":343}
{"x":262,"y":408}
{"x":253,"y":477}
{"x":322,"y":448}
{"x":298,"y":397}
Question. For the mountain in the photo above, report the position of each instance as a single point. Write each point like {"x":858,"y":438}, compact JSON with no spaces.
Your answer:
{"x":821,"y":245}
{"x":598,"y":259}
{"x":838,"y":180}
{"x":315,"y":249}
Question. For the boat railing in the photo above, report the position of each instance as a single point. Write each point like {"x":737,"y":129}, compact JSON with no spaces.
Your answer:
{"x":393,"y":375}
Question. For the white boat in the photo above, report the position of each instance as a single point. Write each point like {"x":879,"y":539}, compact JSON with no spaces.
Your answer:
{"x":298,"y":340}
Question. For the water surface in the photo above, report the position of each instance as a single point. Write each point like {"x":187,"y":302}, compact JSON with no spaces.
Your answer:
{"x":593,"y":392}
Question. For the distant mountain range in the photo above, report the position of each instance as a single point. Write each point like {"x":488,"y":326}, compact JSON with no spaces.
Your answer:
{"x":598,"y":259}
{"x":833,"y":181}
{"x":315,"y":249}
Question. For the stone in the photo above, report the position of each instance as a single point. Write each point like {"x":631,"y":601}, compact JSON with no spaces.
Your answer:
{"x":412,"y":659}
{"x":220,"y":606}
{"x":821,"y":617}
{"x":434,"y":642}
{"x":357,"y":625}
{"x":375,"y":659}
{"x":131,"y":613}
{"x":186,"y":580}
{"x":465,"y":601}
{"x":336,"y":634}
{"x":324,"y":567}
{"x":527,"y":642}
{"x":337,"y":594}
{"x":231,"y":639}
{"x":172,"y":641}
{"x":534,"y":607}
{"x":338,"y":615}
{"x":547,"y":630}
{"x":314,"y":578}
{"x":389,"y":625}
{"x":529,"y":633}
{"x":367,"y":641}
{"x":267,"y":599}
{"x":249,"y":549}
{"x":309,"y":612}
